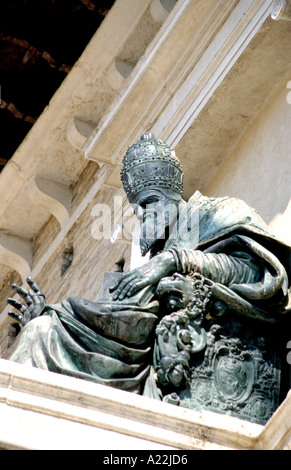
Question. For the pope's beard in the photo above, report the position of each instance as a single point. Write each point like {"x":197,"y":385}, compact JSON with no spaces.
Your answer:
{"x":155,"y":232}
{"x":147,"y":245}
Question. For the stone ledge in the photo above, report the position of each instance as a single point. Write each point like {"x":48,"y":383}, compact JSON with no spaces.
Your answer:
{"x":43,"y":410}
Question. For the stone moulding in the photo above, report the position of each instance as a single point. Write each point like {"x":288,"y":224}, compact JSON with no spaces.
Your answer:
{"x":43,"y":410}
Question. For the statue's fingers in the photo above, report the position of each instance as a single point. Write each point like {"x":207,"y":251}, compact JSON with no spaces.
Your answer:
{"x":34,"y":297}
{"x":16,"y":316}
{"x":125,"y":290}
{"x":17,"y":305}
{"x":131,"y":286}
{"x":22,"y":292}
{"x":114,"y":286}
{"x":34,"y":286}
{"x":119,"y":286}
{"x":26,"y":318}
{"x":121,"y":291}
{"x":135,"y":287}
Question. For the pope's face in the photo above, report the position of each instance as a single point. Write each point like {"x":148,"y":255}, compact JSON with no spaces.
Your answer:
{"x":157,"y":211}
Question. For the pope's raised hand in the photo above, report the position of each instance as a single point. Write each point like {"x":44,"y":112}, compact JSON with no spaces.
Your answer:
{"x":34,"y":299}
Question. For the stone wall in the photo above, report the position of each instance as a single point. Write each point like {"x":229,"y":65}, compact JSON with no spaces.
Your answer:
{"x":91,"y":258}
{"x":258,"y":168}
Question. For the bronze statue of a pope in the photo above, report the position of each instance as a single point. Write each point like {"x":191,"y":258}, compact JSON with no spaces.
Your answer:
{"x":198,"y":325}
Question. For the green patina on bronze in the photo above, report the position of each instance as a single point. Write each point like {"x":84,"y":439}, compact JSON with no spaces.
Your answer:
{"x":202,"y":324}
